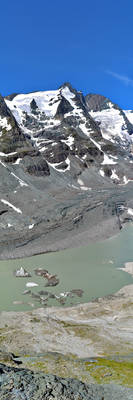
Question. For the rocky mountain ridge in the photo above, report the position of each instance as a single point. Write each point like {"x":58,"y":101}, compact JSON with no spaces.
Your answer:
{"x":63,"y":124}
{"x":62,"y":155}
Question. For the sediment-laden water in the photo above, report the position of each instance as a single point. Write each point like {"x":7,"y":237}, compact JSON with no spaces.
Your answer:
{"x":93,"y":268}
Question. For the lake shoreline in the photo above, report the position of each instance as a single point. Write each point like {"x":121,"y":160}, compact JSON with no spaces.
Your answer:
{"x":57,"y":241}
{"x":94,"y":329}
{"x":95,"y":338}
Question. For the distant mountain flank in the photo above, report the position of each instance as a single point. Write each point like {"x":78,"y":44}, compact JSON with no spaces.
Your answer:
{"x":58,"y":150}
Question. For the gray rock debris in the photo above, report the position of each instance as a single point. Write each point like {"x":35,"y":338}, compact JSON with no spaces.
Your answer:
{"x":21,"y":384}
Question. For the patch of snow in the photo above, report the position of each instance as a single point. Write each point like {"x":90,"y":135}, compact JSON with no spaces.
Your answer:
{"x":101,"y":172}
{"x":111,"y":124}
{"x":69,"y":141}
{"x":55,"y":165}
{"x":121,"y":207}
{"x":12,"y":206}
{"x":125,"y":180}
{"x":31,"y":226}
{"x":74,"y":187}
{"x":110,"y":105}
{"x":129,"y":115}
{"x":31,"y":284}
{"x":54,"y":144}
{"x":4,"y":124}
{"x":130,"y":211}
{"x":67,"y":94}
{"x":114,"y":175}
{"x":85,"y":188}
{"x":84,"y":129}
{"x":87,"y":132}
{"x":81,"y":183}
{"x":107,"y":160}
{"x":17,"y":161}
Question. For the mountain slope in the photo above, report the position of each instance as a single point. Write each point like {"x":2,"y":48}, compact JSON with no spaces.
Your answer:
{"x":65,"y":162}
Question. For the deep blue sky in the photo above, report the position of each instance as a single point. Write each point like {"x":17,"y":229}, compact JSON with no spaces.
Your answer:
{"x":88,"y":43}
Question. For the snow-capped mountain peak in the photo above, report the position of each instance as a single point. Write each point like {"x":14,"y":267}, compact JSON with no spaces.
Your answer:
{"x":73,"y":133}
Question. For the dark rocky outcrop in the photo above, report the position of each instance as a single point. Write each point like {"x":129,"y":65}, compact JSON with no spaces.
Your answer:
{"x":36,"y":166}
{"x":11,"y":96}
{"x":22,"y":384}
{"x":96,"y":102}
{"x":12,"y":139}
{"x":33,"y":105}
{"x":56,"y":153}
{"x":63,"y":108}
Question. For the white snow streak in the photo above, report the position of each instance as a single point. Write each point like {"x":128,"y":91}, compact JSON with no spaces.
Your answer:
{"x":22,"y":183}
{"x":7,"y":154}
{"x":12,"y":206}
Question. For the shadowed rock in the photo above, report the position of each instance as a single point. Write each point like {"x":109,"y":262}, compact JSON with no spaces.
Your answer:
{"x":53,"y":281}
{"x":41,"y":272}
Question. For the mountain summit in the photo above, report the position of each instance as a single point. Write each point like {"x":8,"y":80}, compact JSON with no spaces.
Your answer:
{"x":65,"y":163}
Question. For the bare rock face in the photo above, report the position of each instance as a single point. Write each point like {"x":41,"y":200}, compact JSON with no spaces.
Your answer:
{"x":63,"y":108}
{"x":36,"y":166}
{"x":16,"y":383}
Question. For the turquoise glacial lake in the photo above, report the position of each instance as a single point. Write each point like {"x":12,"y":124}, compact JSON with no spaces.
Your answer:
{"x":94,"y":269}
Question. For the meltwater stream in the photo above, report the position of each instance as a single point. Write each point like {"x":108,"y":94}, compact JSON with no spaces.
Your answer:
{"x":93,"y":268}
